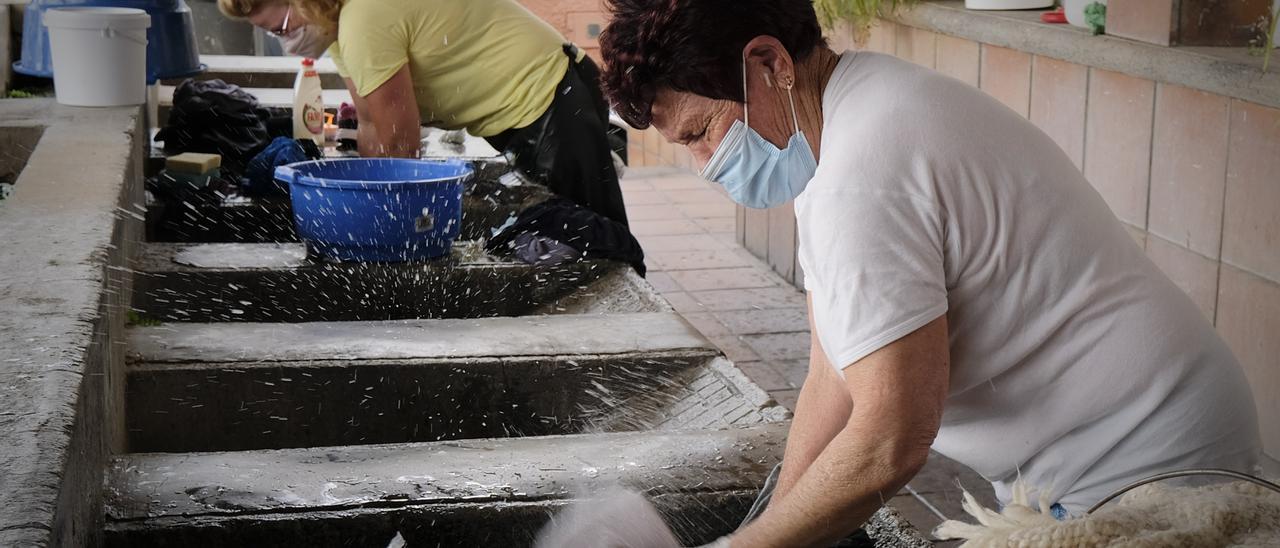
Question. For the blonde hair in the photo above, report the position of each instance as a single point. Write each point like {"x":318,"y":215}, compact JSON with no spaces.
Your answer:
{"x":320,"y":12}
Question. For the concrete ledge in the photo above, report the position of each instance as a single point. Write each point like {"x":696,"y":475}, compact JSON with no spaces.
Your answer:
{"x":69,"y":230}
{"x":490,"y":337}
{"x":1226,"y":71}
{"x":266,"y":72}
{"x":251,"y":63}
{"x":267,"y":97}
{"x":154,"y":485}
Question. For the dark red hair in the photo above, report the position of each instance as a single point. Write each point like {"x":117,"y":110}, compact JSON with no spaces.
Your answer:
{"x":693,"y":46}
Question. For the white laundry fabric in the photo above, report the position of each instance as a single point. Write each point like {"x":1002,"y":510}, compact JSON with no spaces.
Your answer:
{"x":613,"y":519}
{"x":1074,"y":361}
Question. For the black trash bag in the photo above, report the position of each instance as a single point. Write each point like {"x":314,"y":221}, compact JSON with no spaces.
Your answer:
{"x":217,"y":118}
{"x":591,"y":234}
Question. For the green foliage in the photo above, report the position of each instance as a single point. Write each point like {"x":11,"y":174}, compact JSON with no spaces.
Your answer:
{"x":861,"y":14}
{"x":138,"y":319}
{"x":1271,"y":40}
{"x":1095,"y":15}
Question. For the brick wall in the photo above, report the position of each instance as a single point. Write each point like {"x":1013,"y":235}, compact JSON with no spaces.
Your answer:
{"x":577,"y":20}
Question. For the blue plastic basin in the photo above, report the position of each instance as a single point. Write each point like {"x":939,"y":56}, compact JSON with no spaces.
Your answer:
{"x":377,"y":210}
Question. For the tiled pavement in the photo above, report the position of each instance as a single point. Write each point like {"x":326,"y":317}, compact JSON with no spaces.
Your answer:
{"x":687,"y":228}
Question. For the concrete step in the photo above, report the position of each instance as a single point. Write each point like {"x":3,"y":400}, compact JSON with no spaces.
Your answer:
{"x":262,"y":72}
{"x":474,"y":493}
{"x":278,"y":283}
{"x":214,"y":387}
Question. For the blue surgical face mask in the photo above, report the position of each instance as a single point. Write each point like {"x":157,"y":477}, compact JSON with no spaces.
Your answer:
{"x":753,"y":171}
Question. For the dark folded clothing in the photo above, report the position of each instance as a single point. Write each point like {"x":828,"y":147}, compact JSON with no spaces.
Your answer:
{"x":219,"y":118}
{"x":592,"y":235}
{"x":259,"y":175}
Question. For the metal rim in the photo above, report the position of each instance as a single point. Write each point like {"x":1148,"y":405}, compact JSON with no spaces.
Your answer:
{"x":1183,"y":473}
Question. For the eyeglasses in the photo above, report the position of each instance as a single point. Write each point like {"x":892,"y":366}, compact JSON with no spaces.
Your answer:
{"x":284,"y":27}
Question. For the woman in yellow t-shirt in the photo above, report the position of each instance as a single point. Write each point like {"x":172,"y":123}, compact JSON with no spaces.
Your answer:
{"x":488,"y":66}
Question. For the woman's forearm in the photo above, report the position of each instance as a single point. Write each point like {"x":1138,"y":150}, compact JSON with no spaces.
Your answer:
{"x":897,"y":396}
{"x":851,"y":478}
{"x":821,"y":413}
{"x":393,"y":142}
{"x":389,"y":121}
{"x":366,"y":139}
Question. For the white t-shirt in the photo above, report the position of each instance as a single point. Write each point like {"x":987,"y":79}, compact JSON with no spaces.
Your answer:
{"x":1074,"y":361}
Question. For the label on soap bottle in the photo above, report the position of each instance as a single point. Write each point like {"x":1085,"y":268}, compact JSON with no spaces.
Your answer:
{"x":313,"y":118}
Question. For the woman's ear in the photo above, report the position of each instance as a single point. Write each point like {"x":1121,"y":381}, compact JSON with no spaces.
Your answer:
{"x":767,"y":54}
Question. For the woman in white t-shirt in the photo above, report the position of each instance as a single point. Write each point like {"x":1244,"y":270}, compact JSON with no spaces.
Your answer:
{"x":968,"y":290}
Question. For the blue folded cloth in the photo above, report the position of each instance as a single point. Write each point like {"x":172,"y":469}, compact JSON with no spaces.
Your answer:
{"x":259,"y":175}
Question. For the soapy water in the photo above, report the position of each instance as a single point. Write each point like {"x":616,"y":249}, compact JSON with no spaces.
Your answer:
{"x":280,"y":284}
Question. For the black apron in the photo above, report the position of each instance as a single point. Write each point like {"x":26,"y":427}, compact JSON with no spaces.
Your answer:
{"x":567,"y":148}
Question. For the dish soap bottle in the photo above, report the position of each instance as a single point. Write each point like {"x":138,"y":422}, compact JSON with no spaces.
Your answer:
{"x":308,"y":104}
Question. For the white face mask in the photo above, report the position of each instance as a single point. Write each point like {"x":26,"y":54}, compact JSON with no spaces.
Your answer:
{"x":309,"y":41}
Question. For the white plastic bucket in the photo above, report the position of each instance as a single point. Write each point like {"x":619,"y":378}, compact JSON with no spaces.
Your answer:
{"x":99,"y":55}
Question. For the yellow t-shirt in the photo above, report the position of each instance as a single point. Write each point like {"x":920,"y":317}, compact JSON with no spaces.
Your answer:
{"x":484,"y":65}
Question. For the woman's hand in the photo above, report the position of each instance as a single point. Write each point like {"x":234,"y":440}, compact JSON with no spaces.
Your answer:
{"x":389,"y":120}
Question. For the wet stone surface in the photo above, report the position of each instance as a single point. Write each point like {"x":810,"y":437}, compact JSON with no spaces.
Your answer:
{"x":327,"y":402}
{"x":276,"y":283}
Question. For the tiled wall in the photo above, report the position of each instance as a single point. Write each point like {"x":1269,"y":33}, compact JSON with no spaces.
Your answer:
{"x":1194,"y":176}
